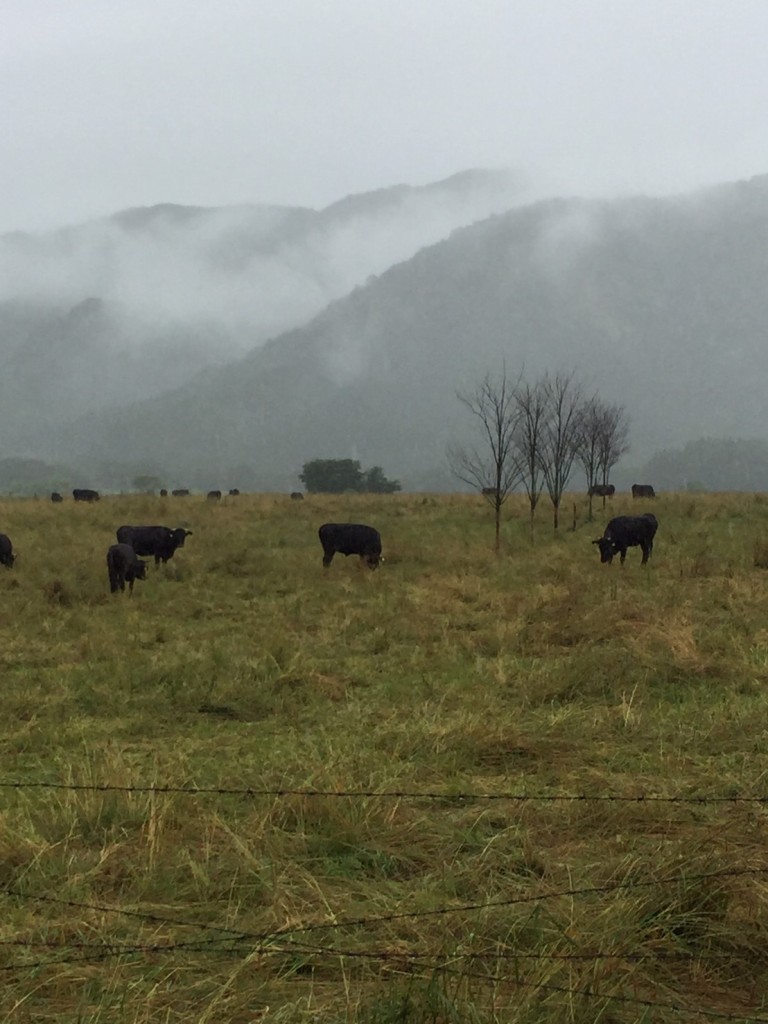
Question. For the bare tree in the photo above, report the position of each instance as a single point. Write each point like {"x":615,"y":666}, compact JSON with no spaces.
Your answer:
{"x":589,"y":433}
{"x":489,"y":466}
{"x":613,"y":438}
{"x":532,"y":407}
{"x":564,"y":400}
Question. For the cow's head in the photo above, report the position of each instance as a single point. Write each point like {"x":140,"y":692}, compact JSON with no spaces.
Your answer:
{"x":372,"y":559}
{"x":139,"y":569}
{"x":179,"y":536}
{"x":607,"y":548}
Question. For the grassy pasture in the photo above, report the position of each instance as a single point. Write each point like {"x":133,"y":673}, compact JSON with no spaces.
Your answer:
{"x":242,"y":664}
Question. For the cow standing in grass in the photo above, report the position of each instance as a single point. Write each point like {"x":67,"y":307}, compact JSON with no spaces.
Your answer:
{"x":350,"y":539}
{"x":643,"y":491}
{"x":7,"y":557}
{"x":160,"y":541}
{"x":123,"y":566}
{"x":627,"y":532}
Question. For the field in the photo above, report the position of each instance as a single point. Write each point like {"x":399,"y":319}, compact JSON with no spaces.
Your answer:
{"x":449,"y":680}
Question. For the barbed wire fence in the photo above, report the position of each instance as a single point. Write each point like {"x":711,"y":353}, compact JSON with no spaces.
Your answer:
{"x":230,"y":942}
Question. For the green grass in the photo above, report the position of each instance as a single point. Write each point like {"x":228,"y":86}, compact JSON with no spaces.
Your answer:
{"x":242,"y":664}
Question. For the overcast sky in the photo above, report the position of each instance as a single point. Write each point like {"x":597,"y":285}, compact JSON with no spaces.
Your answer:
{"x":108,"y":104}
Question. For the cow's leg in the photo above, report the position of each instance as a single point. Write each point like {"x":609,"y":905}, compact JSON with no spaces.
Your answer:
{"x":327,"y":558}
{"x":623,"y":555}
{"x":646,"y":551}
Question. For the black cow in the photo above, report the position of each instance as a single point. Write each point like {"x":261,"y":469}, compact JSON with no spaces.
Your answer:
{"x":85,"y":494}
{"x":124,"y":567}
{"x":234,"y":492}
{"x":160,"y":541}
{"x":602,"y":491}
{"x":56,"y":497}
{"x":7,"y":557}
{"x":643,"y":491}
{"x":213,"y":495}
{"x":350,"y":539}
{"x":163,"y":492}
{"x":627,"y":532}
{"x":181,"y":492}
{"x":297,"y":496}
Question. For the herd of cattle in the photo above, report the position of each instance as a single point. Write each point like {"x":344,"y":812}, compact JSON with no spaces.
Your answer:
{"x":125,"y":564}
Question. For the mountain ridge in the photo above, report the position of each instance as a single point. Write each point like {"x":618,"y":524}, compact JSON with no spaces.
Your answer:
{"x":656,"y":302}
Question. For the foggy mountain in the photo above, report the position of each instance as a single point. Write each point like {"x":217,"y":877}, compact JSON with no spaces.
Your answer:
{"x":657,"y":303}
{"x":124,"y":308}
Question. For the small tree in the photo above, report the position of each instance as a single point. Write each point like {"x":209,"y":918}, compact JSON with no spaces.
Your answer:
{"x":374,"y":482}
{"x":331,"y":476}
{"x":559,"y":437}
{"x":602,"y":440}
{"x":490,"y":466}
{"x":613,"y":438}
{"x":532,"y":409}
{"x":588,"y":434}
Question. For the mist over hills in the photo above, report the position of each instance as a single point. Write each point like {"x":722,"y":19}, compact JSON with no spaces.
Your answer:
{"x":658,"y":303}
{"x":123,"y":308}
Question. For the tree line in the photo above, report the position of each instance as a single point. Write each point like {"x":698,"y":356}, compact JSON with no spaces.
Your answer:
{"x":530,"y":435}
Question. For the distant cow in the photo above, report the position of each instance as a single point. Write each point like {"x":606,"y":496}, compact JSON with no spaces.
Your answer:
{"x":602,"y":491}
{"x":234,"y":492}
{"x":181,"y":492}
{"x":85,"y":494}
{"x":489,"y":492}
{"x":160,"y":541}
{"x":124,"y":567}
{"x":350,"y":539}
{"x":297,"y":496}
{"x":163,"y":492}
{"x":643,"y":491}
{"x":213,"y":495}
{"x":7,"y":557}
{"x":56,"y":497}
{"x":627,"y":532}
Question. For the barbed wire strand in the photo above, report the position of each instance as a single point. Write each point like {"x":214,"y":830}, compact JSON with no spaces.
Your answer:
{"x":548,"y":986}
{"x":386,"y":794}
{"x":419,"y":959}
{"x":239,"y":935}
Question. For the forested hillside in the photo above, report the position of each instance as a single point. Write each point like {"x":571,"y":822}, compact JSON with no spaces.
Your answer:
{"x":656,"y":303}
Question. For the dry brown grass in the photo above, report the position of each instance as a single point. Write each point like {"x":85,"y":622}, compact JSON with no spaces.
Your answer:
{"x":243,"y":664}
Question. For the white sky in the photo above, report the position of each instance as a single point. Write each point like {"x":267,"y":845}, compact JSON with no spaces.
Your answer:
{"x":106,"y":104}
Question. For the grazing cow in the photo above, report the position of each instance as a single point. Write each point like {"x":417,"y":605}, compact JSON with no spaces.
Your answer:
{"x":297,"y":496}
{"x":602,"y":491}
{"x":124,"y":567}
{"x":234,"y":492}
{"x":350,"y":539}
{"x":181,"y":492}
{"x":489,"y":492}
{"x":85,"y":494}
{"x":627,"y":532}
{"x":213,"y":495}
{"x":643,"y":491}
{"x":7,"y":557}
{"x":160,"y":541}
{"x":163,"y":492}
{"x":56,"y":497}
